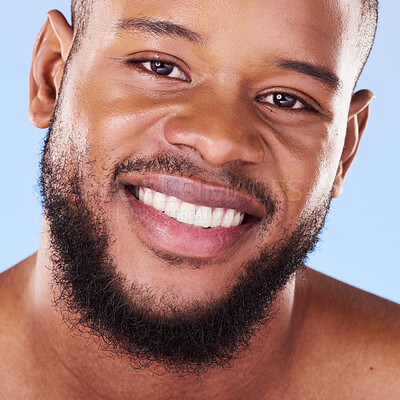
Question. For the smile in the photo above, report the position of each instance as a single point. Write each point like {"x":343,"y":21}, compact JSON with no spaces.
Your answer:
{"x":190,"y":218}
{"x":187,"y":213}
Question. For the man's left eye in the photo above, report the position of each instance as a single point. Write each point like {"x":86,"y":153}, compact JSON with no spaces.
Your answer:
{"x":164,"y":68}
{"x":282,"y":100}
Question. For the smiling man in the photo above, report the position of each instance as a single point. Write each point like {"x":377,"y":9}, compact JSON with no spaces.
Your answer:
{"x":192,"y":154}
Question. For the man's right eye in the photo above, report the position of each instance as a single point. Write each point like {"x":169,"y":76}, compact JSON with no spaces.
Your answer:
{"x":161,"y":68}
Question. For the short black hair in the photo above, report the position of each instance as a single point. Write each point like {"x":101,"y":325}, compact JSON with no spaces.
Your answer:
{"x":367,"y":32}
{"x":81,"y":9}
{"x":80,"y":12}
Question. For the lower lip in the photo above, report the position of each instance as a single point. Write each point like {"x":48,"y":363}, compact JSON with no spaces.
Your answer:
{"x":171,"y":235}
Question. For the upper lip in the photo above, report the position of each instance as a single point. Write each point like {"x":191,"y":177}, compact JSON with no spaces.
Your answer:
{"x":198,"y":192}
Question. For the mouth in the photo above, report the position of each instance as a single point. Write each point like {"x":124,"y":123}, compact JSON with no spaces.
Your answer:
{"x":192,"y":215}
{"x":190,"y":218}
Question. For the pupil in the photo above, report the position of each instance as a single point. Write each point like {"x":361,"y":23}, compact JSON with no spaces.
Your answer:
{"x":161,"y":68}
{"x":284,"y":100}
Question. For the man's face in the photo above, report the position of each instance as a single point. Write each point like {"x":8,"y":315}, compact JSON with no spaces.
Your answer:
{"x":235,"y":107}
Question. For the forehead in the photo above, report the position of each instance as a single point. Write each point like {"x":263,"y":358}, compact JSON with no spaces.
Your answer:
{"x":320,"y":32}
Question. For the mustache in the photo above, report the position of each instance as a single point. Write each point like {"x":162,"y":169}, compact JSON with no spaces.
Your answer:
{"x":232,"y":177}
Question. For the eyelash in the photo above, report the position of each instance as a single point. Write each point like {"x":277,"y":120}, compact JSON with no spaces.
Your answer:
{"x":138,"y":64}
{"x":307,"y":107}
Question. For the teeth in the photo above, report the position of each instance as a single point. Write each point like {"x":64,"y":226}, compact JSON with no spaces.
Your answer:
{"x":187,"y":213}
{"x":228,"y":218}
{"x":172,"y":207}
{"x":148,"y":197}
{"x":141,"y":195}
{"x":198,"y":216}
{"x":203,"y":217}
{"x":236,"y":219}
{"x":159,"y":201}
{"x":217,"y":216}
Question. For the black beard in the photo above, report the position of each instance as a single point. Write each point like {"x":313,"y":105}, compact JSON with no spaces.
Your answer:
{"x":95,"y":298}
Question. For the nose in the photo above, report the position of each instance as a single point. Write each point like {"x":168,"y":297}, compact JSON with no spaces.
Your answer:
{"x":220,"y":133}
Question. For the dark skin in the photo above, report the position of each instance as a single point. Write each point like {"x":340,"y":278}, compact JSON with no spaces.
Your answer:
{"x":328,"y":340}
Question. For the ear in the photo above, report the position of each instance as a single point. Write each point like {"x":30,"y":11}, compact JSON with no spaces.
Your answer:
{"x":50,"y":53}
{"x":356,"y":124}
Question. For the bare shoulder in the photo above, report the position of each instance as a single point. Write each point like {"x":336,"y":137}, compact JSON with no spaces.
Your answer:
{"x":355,"y":334}
{"x":351,"y":301}
{"x":15,"y":294}
{"x":13,"y":324}
{"x":13,"y":283}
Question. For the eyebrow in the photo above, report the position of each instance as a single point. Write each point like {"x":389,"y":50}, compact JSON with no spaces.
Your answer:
{"x":318,"y":72}
{"x":159,"y":28}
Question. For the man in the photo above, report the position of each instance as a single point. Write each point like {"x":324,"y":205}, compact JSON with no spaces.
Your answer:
{"x":192,"y":154}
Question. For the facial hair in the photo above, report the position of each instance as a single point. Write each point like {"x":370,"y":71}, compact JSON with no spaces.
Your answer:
{"x":186,"y":338}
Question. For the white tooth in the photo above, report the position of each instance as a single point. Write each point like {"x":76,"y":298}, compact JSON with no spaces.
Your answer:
{"x":228,"y":218}
{"x":148,"y":197}
{"x":217,"y":217}
{"x":203,"y":217}
{"x":141,"y":194}
{"x":186,"y":213}
{"x":172,"y":206}
{"x":159,"y":201}
{"x":236,"y":219}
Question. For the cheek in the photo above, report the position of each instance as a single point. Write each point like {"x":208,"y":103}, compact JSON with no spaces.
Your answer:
{"x":123,"y":126}
{"x":325,"y":168}
{"x":306,"y":162}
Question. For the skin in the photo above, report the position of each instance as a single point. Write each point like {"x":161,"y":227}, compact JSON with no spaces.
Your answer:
{"x":328,"y":340}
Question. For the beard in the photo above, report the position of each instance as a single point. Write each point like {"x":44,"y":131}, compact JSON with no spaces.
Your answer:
{"x":180,"y":337}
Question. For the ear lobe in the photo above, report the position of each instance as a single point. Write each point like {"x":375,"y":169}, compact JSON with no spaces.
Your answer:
{"x":50,"y":53}
{"x":356,"y":124}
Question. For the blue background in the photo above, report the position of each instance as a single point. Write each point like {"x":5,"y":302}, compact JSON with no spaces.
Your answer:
{"x":360,"y":242}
